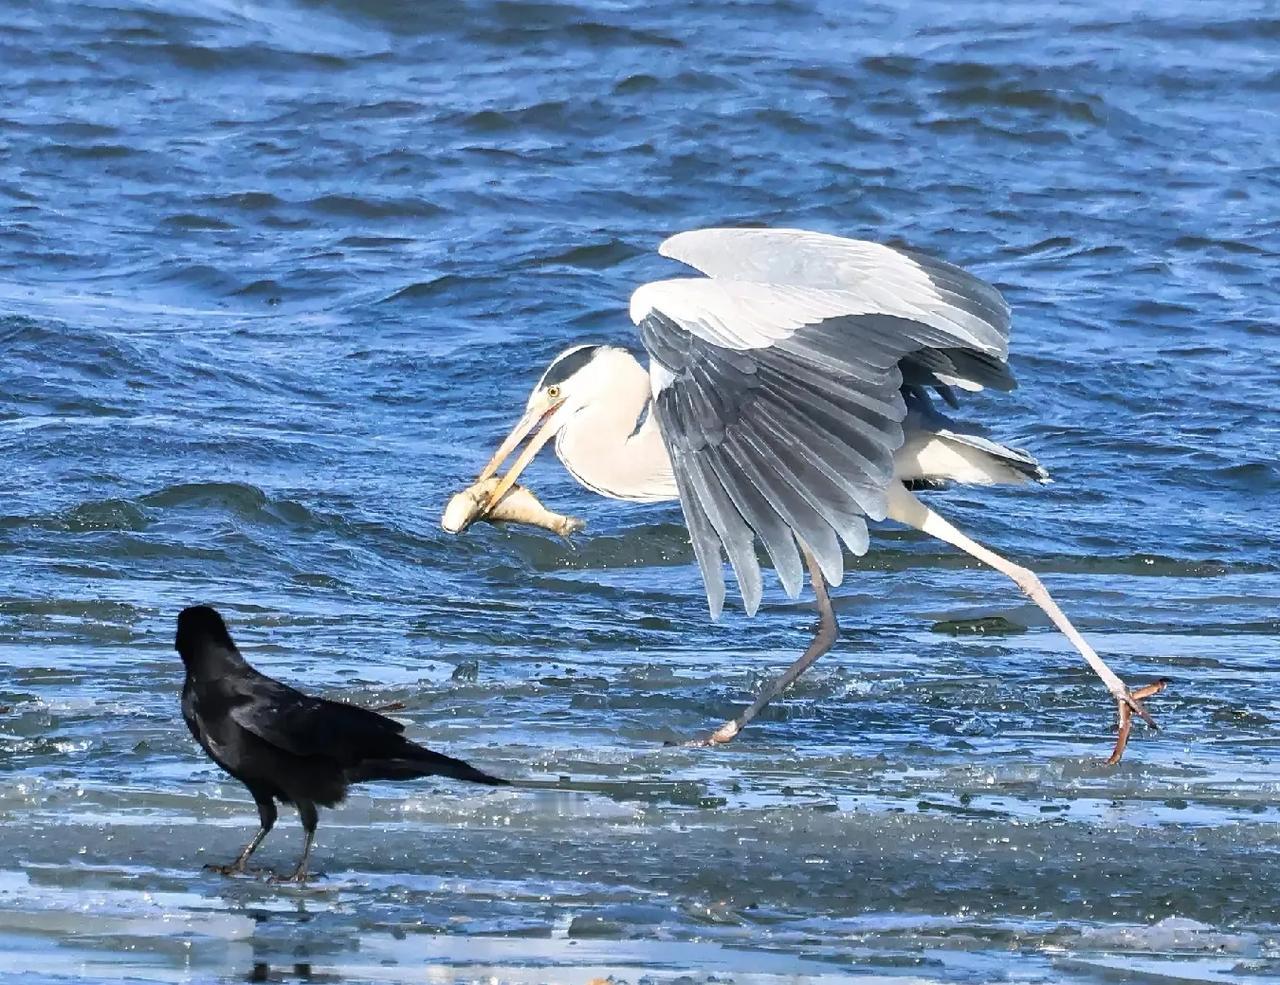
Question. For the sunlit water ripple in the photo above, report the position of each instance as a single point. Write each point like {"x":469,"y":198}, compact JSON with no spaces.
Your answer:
{"x":275,"y":276}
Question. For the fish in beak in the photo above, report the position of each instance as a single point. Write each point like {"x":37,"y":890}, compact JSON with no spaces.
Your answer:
{"x":519,"y":505}
{"x":542,"y":411}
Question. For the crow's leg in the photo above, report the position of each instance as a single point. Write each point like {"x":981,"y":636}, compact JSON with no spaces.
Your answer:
{"x":310,"y":818}
{"x":267,"y":820}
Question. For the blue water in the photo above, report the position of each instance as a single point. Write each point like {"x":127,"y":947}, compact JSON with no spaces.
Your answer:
{"x":276,"y":276}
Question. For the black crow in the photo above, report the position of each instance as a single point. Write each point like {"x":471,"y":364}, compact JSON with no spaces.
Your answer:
{"x":284,"y":745}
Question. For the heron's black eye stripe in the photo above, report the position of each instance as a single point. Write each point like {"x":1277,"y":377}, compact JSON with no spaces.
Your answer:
{"x":568,"y":364}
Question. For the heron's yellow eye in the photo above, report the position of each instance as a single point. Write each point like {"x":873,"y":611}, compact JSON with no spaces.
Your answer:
{"x":553,"y":392}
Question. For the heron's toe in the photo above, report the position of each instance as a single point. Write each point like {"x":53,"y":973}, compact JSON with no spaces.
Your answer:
{"x":1128,"y":705}
{"x":1136,"y":697}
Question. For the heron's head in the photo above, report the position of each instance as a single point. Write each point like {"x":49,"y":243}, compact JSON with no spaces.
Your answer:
{"x":573,"y":380}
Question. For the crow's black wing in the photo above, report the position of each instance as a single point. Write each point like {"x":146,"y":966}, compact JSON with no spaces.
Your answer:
{"x":313,"y":727}
{"x":361,"y":743}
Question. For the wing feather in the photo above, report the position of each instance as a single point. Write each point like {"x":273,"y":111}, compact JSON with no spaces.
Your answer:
{"x":702,"y":535}
{"x":777,"y":384}
{"x":830,"y":493}
{"x":813,"y":413}
{"x":855,"y":486}
{"x":766,"y":519}
{"x":732,"y":530}
{"x":815,"y":518}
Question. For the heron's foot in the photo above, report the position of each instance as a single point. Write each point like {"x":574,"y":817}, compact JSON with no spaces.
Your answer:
{"x":297,"y":877}
{"x":235,"y":868}
{"x":725,"y":733}
{"x":1129,"y":704}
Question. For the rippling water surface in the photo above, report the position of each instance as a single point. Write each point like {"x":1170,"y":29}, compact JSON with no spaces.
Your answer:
{"x":276,"y":274}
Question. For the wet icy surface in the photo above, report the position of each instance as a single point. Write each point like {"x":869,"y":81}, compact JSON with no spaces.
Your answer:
{"x":899,"y":816}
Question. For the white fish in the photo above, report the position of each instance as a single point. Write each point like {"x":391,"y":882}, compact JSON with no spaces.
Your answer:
{"x":519,"y":505}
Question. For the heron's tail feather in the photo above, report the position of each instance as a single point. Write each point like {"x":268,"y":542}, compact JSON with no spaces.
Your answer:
{"x":1020,"y":465}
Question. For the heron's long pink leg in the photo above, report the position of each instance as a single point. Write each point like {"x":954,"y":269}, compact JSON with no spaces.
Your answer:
{"x":906,"y":508}
{"x":826,"y":636}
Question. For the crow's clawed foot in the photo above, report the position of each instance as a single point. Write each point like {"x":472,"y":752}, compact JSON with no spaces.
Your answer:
{"x":1128,"y":706}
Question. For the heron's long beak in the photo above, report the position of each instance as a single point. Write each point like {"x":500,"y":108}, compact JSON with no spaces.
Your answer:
{"x":542,"y":411}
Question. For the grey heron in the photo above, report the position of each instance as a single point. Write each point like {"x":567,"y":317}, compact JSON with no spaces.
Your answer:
{"x":790,"y":398}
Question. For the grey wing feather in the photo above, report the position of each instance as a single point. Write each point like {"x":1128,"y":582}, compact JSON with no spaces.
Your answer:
{"x":755,"y":455}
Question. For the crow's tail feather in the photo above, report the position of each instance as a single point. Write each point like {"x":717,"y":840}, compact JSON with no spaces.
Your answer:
{"x":414,"y":761}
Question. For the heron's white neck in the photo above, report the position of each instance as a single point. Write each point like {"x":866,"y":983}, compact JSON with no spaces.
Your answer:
{"x":612,"y":445}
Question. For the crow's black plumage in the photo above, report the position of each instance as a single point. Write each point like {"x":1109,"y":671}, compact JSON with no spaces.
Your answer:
{"x":284,"y":745}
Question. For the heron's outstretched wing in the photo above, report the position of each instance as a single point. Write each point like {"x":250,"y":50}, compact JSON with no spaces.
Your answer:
{"x":883,"y":280}
{"x":777,"y":386}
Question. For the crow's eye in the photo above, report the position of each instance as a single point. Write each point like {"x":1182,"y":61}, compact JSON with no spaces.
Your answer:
{"x":553,"y":392}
